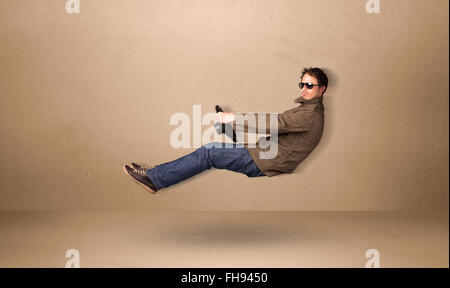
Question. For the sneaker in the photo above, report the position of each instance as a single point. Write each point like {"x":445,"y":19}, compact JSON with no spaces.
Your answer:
{"x":136,"y":166}
{"x":140,"y":177}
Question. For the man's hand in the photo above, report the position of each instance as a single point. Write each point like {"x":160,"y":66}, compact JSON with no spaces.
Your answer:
{"x":226,"y":117}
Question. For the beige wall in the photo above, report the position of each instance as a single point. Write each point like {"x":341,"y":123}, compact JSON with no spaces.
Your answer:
{"x":82,"y":94}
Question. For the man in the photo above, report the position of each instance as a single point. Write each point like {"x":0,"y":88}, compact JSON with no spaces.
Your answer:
{"x":299,"y":132}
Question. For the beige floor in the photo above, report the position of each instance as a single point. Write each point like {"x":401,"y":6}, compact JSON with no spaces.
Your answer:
{"x":223,"y":239}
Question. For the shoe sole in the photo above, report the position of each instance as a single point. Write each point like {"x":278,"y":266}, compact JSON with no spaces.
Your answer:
{"x":138,"y":182}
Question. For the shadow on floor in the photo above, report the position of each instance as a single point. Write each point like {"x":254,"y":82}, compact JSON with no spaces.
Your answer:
{"x":233,"y":234}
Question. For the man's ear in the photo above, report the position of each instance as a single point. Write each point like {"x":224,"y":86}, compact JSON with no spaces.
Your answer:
{"x":322,"y":88}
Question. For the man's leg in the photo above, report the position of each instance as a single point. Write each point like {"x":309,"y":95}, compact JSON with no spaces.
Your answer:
{"x":215,"y":154}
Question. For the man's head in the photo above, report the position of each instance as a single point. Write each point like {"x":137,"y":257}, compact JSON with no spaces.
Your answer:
{"x":314,"y":83}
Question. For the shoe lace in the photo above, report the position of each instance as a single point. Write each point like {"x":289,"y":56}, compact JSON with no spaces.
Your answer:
{"x":147,"y":168}
{"x":139,"y":171}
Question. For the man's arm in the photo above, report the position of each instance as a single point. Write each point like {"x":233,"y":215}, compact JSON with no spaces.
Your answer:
{"x":294,"y":120}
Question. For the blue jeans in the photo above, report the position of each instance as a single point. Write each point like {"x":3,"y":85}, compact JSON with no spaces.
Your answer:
{"x":214,"y":154}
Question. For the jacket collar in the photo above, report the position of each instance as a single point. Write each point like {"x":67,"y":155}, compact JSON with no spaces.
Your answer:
{"x":317,"y":100}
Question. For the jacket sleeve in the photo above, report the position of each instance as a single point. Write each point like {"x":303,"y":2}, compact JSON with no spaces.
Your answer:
{"x":295,"y":120}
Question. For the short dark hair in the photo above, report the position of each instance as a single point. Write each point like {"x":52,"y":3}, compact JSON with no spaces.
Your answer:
{"x":318,"y":73}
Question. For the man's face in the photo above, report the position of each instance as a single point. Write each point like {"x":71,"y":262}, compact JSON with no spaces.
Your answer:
{"x":316,"y":91}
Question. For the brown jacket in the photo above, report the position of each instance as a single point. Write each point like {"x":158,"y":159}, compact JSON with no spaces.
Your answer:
{"x":299,"y":132}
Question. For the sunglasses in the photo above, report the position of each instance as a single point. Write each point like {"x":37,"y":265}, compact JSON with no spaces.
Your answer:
{"x":309,"y":85}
